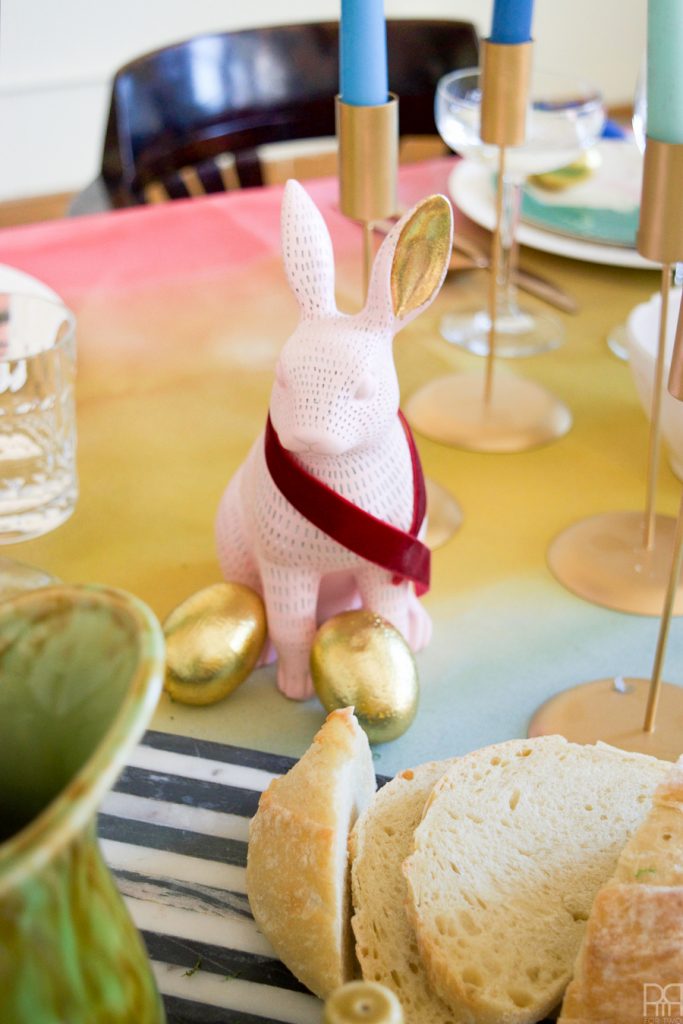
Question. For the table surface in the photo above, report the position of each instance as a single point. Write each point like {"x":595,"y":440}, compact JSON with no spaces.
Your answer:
{"x":182,"y":310}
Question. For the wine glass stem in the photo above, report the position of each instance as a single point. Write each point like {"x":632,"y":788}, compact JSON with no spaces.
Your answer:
{"x":507,"y":289}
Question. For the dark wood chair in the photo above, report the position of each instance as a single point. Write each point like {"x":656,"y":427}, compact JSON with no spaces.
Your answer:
{"x":175,"y":113}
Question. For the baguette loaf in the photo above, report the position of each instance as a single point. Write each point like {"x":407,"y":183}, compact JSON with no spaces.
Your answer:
{"x":297,"y":863}
{"x":385,"y":943}
{"x":515,"y":841}
{"x":632,"y":950}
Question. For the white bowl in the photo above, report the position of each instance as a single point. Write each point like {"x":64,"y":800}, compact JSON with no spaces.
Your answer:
{"x":642,"y":330}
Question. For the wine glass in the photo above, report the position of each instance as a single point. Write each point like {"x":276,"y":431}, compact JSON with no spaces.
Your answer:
{"x":38,"y":480}
{"x":565,"y":117}
{"x":639,"y":118}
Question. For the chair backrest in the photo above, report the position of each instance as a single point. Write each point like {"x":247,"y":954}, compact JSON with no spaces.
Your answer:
{"x":175,"y":111}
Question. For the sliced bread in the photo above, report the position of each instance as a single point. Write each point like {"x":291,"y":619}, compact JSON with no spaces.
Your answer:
{"x":515,"y":841}
{"x":630,"y":966}
{"x":385,"y":943}
{"x":298,"y":880}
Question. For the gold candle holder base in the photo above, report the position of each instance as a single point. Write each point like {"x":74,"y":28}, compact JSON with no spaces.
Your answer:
{"x":518,"y":415}
{"x":603,"y":560}
{"x":612,"y":710}
{"x":444,"y":515}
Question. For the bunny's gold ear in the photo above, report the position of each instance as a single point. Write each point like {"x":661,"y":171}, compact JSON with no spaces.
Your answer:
{"x":421,"y":256}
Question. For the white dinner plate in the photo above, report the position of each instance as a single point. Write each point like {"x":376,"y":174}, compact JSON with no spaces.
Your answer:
{"x":13,"y":280}
{"x":472,"y":192}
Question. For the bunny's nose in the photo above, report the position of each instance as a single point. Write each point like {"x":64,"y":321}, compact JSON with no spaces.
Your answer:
{"x":315,"y":441}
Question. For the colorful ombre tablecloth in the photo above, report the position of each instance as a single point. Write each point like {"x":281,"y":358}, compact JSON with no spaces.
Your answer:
{"x":182,"y":309}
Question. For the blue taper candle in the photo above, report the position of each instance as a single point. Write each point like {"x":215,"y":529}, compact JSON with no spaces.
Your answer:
{"x":363,"y":53}
{"x":665,"y":70}
{"x":511,"y":21}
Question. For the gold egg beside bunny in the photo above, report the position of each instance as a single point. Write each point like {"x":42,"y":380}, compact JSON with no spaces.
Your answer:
{"x":213,"y":641}
{"x":359,"y":660}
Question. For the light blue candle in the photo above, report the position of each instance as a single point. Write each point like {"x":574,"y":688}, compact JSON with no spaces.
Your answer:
{"x":363,"y":53}
{"x":511,"y":21}
{"x":665,"y":70}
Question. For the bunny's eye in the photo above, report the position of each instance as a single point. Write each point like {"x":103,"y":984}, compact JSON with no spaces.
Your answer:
{"x":365,"y":388}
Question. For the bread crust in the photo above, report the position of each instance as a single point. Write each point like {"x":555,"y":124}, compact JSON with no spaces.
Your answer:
{"x":297,"y":866}
{"x":634,"y":935}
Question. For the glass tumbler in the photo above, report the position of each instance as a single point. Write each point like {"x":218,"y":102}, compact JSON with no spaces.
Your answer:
{"x":38,"y":477}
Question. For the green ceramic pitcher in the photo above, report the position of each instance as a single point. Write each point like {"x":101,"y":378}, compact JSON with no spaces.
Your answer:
{"x":80,"y":674}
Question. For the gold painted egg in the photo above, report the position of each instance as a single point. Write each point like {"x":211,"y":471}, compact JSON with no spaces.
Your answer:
{"x":213,"y":641}
{"x":360,"y":659}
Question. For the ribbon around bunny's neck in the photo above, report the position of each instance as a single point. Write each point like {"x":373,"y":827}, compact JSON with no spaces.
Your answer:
{"x":398,"y":551}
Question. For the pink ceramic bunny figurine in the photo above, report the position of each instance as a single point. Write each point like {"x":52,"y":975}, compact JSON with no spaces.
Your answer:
{"x":334,"y":413}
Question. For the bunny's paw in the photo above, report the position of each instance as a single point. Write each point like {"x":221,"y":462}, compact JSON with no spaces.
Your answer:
{"x":419,"y":625}
{"x":296,"y":686}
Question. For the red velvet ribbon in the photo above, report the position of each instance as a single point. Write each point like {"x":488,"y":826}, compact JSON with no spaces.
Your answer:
{"x":397,"y":551}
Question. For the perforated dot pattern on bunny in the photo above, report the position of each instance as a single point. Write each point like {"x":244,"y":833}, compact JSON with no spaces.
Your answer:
{"x":308,"y":258}
{"x":335,"y":388}
{"x":334,"y":406}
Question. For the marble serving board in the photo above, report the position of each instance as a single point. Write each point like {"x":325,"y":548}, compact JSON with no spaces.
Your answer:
{"x":174,"y":832}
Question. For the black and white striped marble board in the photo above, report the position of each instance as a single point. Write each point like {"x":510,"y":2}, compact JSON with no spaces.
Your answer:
{"x":174,"y":832}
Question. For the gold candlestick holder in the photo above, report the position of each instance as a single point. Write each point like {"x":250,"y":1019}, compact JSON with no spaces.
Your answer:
{"x":368,"y":167}
{"x":367,"y":138}
{"x":461,"y":409}
{"x":644,"y":715}
{"x":621,"y":559}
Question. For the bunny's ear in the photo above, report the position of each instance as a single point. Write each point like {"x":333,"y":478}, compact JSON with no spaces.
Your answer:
{"x":411,"y":264}
{"x":307,"y":252}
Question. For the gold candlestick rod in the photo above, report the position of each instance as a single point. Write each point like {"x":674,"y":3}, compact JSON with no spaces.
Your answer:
{"x":660,"y":238}
{"x":654,"y":442}
{"x":676,"y":390}
{"x":494,"y":274}
{"x":656,"y":681}
{"x":368,"y":191}
{"x":505,"y":75}
{"x":517,"y":414}
{"x":621,"y":559}
{"x":612,"y":709}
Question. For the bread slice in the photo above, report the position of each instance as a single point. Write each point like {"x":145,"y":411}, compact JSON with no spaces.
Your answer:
{"x":298,"y":879}
{"x":515,"y":841}
{"x":385,"y":944}
{"x":632,"y":950}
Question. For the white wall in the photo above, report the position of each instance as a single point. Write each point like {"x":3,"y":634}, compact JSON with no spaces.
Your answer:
{"x":57,"y":58}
